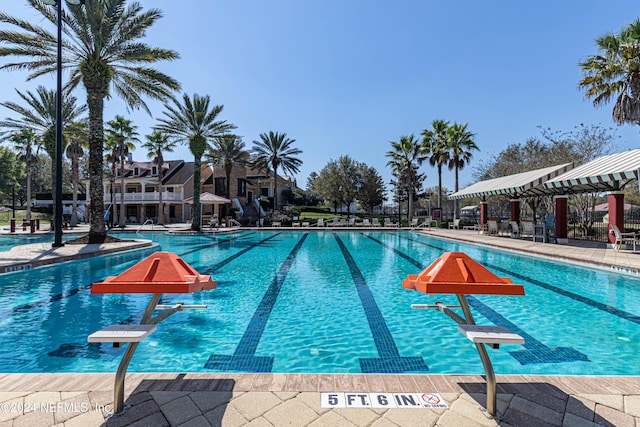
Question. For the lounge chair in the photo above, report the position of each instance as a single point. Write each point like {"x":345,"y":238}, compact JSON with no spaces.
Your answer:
{"x":388,"y":223}
{"x":305,"y":224}
{"x":320,"y":222}
{"x":366,"y":223}
{"x":295,"y":224}
{"x":623,"y":238}
{"x":414,"y":223}
{"x":455,"y":224}
{"x":352,"y":222}
{"x":375,"y":222}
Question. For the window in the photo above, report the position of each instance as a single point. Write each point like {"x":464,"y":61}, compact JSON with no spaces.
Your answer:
{"x":242,"y":187}
{"x":149,"y":189}
{"x":118,"y":171}
{"x":169,"y":189}
{"x":221,"y":186}
{"x":154,"y":170}
{"x":136,"y":171}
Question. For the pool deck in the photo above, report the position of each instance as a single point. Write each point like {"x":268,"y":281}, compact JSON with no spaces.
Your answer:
{"x":214,"y":399}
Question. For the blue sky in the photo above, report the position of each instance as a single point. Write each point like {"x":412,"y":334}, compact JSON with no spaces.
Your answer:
{"x":346,"y":77}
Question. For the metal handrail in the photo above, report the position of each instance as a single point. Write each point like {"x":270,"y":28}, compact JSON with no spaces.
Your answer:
{"x":145,"y":223}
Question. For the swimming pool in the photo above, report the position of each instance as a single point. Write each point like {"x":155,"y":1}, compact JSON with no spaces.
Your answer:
{"x":322,"y":302}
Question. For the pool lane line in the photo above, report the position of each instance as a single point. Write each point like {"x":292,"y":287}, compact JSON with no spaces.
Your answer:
{"x":536,"y":351}
{"x":389,"y":360}
{"x":577,"y":297}
{"x":244,"y":358}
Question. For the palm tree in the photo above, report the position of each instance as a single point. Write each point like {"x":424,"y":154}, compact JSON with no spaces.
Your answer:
{"x":77,"y":141}
{"x":405,"y":158}
{"x":192,"y":121}
{"x":39,"y":115}
{"x":274,"y":151}
{"x":121,"y":135}
{"x":460,"y":145}
{"x":157,"y":144}
{"x":434,"y":145}
{"x":103,"y":51}
{"x":25,"y":141}
{"x":228,"y":151}
{"x":615,"y":71}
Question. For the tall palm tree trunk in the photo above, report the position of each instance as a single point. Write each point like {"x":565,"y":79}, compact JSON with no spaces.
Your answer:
{"x":95,"y":102}
{"x":29,"y":188}
{"x":74,"y":179}
{"x":275,"y":186}
{"x":160,"y":203}
{"x":123,"y":218}
{"x":195,"y":221}
{"x":439,"y":186}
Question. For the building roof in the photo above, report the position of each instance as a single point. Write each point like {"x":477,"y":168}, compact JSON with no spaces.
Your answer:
{"x":523,"y":184}
{"x":607,"y":173}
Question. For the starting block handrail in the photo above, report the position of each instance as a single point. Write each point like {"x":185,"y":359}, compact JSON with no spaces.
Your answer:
{"x":490,"y":335}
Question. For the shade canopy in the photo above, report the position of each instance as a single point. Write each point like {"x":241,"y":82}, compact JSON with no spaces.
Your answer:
{"x":523,"y":184}
{"x":207,"y":198}
{"x":458,"y":273}
{"x":607,"y":173}
{"x":159,"y":273}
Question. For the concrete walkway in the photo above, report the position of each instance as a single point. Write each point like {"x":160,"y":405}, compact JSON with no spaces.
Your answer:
{"x":215,"y":399}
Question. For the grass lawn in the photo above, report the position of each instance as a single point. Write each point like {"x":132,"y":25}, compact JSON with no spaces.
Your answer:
{"x":5,"y":217}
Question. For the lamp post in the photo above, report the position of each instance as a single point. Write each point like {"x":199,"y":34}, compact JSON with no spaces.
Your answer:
{"x":57,"y":209}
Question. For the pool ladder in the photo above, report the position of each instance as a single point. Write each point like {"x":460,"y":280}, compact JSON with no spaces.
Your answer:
{"x":149,"y":221}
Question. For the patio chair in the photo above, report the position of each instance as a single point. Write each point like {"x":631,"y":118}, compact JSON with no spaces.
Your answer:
{"x":414,"y":223}
{"x":305,"y":224}
{"x":320,"y":222}
{"x":375,"y":222}
{"x":352,"y":222}
{"x":388,"y":223}
{"x":455,"y":224}
{"x":623,"y":238}
{"x":492,"y":227}
{"x":366,"y":223}
{"x":527,"y":229}
{"x":515,"y":229}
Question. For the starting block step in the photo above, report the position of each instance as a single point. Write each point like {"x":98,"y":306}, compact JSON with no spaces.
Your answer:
{"x":490,"y":334}
{"x":122,"y":333}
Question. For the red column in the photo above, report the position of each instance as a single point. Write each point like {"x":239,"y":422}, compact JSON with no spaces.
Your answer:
{"x":484,"y":212}
{"x":561,"y":219}
{"x":616,"y":212}
{"x":515,"y":209}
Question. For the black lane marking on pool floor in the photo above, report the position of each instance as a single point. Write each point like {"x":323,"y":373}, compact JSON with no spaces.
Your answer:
{"x":536,"y":351}
{"x":389,"y":360}
{"x":244,"y":358}
{"x":91,"y":350}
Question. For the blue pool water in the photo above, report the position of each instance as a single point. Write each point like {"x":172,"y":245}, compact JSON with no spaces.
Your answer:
{"x":322,"y":302}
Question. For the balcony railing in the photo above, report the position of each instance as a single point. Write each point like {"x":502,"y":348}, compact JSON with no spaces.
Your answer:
{"x":145,"y":197}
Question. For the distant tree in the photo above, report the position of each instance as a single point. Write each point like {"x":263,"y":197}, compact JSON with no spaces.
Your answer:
{"x":615,"y":72}
{"x":77,"y":137}
{"x":10,"y":172}
{"x":27,"y":143}
{"x":460,"y":145}
{"x":274,"y":151}
{"x":372,"y":188}
{"x":327,"y":185}
{"x":405,"y":157}
{"x":157,"y":144}
{"x":434,"y":145}
{"x":310,"y":180}
{"x":195,"y":122}
{"x":228,"y":151}
{"x":121,"y":135}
